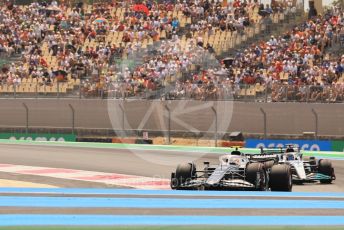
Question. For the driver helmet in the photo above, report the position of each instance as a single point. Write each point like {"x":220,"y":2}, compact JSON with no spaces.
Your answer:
{"x":290,"y":157}
{"x":290,"y":149}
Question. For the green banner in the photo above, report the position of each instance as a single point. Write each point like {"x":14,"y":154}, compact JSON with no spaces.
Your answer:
{"x":38,"y":136}
{"x":337,"y":146}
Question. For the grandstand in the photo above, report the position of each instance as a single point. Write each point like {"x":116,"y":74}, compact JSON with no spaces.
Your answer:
{"x":154,"y":50}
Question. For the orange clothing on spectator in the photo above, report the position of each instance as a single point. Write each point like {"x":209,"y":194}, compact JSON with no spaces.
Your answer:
{"x":278,"y":66}
{"x":43,"y":62}
{"x":236,"y":3}
{"x":24,"y":36}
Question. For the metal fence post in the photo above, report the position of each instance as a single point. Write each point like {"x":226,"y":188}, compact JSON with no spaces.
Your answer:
{"x":123,"y":113}
{"x":215,"y":113}
{"x":80,"y":91}
{"x":58,"y":89}
{"x":308,"y":93}
{"x":73,"y":117}
{"x":316,"y":119}
{"x":36,"y":91}
{"x":264,"y":122}
{"x":169,"y":124}
{"x":27,"y":118}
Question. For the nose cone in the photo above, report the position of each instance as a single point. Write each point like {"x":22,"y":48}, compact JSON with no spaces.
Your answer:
{"x":300,"y":170}
{"x":218,"y":174}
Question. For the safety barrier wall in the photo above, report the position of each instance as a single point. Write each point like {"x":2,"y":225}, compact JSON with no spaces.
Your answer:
{"x":71,"y":137}
{"x":115,"y":140}
{"x":337,"y":146}
{"x":309,"y":145}
{"x":193,"y":117}
{"x":38,"y":136}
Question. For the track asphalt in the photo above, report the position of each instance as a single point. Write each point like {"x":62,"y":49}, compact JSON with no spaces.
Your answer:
{"x":138,"y":160}
{"x":309,"y":205}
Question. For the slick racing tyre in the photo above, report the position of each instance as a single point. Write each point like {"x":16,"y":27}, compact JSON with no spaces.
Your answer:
{"x":260,"y":181}
{"x":185,"y":172}
{"x":281,"y":178}
{"x":325,"y":167}
{"x":269,"y":164}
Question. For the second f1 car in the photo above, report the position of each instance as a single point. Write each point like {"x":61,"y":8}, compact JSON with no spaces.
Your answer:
{"x":235,"y":171}
{"x":303,"y":168}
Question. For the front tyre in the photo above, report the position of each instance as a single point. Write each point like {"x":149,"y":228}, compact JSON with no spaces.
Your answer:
{"x":325,"y":167}
{"x":184,"y":173}
{"x":281,"y":178}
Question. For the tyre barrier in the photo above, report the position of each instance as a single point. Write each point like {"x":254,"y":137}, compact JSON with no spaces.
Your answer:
{"x":144,"y":141}
{"x":98,"y":140}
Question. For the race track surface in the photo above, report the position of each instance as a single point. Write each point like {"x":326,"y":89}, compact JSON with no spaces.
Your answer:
{"x":308,"y":205}
{"x":157,"y":163}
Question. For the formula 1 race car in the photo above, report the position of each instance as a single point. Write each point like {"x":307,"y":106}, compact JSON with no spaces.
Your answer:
{"x":235,"y":171}
{"x":303,"y":168}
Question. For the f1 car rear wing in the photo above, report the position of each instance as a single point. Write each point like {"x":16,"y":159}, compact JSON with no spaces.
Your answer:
{"x":263,"y":157}
{"x":280,"y":150}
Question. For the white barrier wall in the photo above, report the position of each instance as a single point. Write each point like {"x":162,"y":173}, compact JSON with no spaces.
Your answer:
{"x":192,"y":116}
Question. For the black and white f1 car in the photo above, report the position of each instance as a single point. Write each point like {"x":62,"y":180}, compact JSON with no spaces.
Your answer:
{"x":304,"y":168}
{"x":235,"y":171}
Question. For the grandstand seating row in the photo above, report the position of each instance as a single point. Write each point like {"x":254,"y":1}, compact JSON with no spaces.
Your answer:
{"x":35,"y":88}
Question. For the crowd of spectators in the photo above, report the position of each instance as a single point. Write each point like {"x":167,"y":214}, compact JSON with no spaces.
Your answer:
{"x":297,"y":65}
{"x":206,"y":19}
{"x":292,"y":66}
{"x":63,"y":32}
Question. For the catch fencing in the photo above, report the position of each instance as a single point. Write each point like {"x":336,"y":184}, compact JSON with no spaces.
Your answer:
{"x":224,"y":91}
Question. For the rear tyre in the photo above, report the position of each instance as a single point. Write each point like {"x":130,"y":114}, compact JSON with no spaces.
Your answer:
{"x":281,"y":178}
{"x":268,"y":164}
{"x":325,"y":167}
{"x":256,"y":174}
{"x":185,"y":172}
